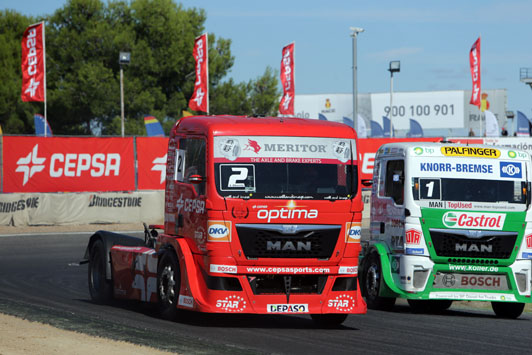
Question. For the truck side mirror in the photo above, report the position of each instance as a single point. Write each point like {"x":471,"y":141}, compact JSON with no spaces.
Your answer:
{"x":367,"y":182}
{"x":528,"y":195}
{"x":195,"y":179}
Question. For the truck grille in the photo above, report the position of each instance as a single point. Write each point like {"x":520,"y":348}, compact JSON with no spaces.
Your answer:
{"x":473,"y":243}
{"x":288,"y":241}
{"x":277,"y":284}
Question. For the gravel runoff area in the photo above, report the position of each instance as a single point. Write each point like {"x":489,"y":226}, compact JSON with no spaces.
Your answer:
{"x":20,"y":336}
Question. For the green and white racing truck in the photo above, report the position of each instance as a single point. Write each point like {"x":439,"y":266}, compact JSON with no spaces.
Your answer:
{"x":449,"y":222}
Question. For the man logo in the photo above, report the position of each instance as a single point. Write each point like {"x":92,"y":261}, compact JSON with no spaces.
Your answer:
{"x":288,"y":246}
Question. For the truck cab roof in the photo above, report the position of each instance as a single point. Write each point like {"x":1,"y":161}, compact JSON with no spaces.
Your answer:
{"x":240,"y":125}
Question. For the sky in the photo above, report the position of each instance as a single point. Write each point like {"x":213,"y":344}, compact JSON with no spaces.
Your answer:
{"x":431,"y":39}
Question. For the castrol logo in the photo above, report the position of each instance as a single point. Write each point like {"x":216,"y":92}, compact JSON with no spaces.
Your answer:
{"x":467,"y":220}
{"x":218,"y":231}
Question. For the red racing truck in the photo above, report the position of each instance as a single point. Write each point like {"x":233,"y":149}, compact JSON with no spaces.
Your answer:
{"x":262,"y":215}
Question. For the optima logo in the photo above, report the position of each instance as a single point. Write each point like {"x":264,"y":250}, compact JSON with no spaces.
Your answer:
{"x":286,"y":213}
{"x":467,"y":220}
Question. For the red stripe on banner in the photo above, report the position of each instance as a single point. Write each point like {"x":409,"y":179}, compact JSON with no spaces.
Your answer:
{"x":474,"y":62}
{"x":151,"y":159}
{"x":200,"y":99}
{"x":32,"y":64}
{"x":58,"y":164}
{"x":368,"y":147}
{"x":286,"y":106}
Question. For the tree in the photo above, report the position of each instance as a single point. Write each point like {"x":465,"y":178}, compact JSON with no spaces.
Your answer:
{"x":258,"y":97}
{"x":15,"y":115}
{"x":83,"y":41}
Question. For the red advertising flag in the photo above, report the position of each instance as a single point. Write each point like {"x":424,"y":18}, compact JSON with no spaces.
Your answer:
{"x":286,"y":106}
{"x":151,"y":160}
{"x":33,"y":67}
{"x":200,"y":99}
{"x":60,"y":164}
{"x":474,"y":63}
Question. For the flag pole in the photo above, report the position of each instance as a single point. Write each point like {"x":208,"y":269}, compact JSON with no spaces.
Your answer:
{"x":480,"y":86}
{"x":207,"y":49}
{"x":44,"y":63}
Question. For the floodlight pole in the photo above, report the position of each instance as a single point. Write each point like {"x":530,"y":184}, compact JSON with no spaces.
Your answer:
{"x":123,"y":58}
{"x":122,"y":99}
{"x":356,"y":31}
{"x":395,"y":66}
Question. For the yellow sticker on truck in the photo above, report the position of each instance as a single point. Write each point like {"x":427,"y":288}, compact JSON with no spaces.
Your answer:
{"x":471,"y":152}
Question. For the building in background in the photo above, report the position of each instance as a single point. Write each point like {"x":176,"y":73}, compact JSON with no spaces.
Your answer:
{"x":439,"y":113}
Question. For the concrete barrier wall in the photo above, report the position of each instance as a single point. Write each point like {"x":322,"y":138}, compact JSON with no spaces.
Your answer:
{"x":32,"y":209}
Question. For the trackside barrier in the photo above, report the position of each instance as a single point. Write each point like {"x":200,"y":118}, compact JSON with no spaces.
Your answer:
{"x":35,"y":209}
{"x":34,"y":168}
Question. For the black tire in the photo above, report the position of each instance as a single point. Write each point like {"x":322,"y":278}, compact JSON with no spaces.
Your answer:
{"x":168,"y":285}
{"x":509,"y":310}
{"x":371,"y":285}
{"x":101,"y":289}
{"x":429,"y":306}
{"x":329,"y":320}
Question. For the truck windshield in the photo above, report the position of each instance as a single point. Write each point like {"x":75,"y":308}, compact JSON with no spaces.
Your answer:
{"x":279,"y":167}
{"x":469,"y":190}
{"x":286,"y":180}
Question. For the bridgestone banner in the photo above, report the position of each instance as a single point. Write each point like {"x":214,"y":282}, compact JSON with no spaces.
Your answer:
{"x":81,"y":208}
{"x":57,"y":164}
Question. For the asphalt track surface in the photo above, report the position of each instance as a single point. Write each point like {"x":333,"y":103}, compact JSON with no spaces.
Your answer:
{"x":40,"y":280}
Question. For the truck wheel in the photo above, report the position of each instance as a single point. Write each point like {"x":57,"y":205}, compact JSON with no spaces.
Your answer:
{"x":429,"y":306}
{"x":100,"y":288}
{"x":507,"y":310}
{"x":168,"y":284}
{"x":328,"y":320}
{"x":371,"y":285}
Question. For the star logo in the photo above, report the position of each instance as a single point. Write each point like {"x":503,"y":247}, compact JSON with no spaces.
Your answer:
{"x":287,"y":98}
{"x":159,"y":164}
{"x":32,"y":87}
{"x":199,"y":96}
{"x":180,"y":203}
{"x":30,"y":164}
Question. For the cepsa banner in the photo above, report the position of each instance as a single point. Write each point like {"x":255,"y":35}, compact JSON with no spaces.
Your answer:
{"x":151,"y":160}
{"x":368,"y":147}
{"x":61,"y":164}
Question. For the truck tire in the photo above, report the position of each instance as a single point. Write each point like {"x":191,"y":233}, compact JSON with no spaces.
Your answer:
{"x":429,"y":306}
{"x":168,"y":285}
{"x":507,"y":310}
{"x":372,"y":283}
{"x":328,"y":320}
{"x":101,"y":289}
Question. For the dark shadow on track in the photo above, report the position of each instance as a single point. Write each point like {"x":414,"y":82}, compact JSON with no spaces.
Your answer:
{"x":198,"y":319}
{"x":456,"y":312}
